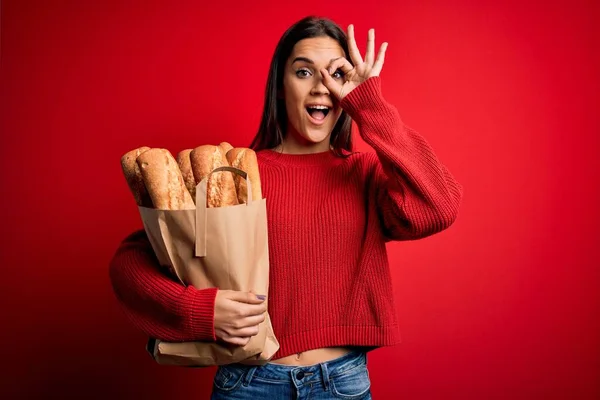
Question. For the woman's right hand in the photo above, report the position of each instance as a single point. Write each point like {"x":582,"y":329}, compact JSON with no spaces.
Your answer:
{"x":237,"y":316}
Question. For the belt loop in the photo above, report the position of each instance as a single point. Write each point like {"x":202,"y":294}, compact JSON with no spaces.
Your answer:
{"x":248,"y":376}
{"x":325,"y":377}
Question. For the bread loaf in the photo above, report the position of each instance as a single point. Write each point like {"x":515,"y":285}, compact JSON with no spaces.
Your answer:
{"x":245,"y":159}
{"x":185,"y":166}
{"x":220,"y":186}
{"x":225,"y":147}
{"x":164,"y":181}
{"x":134,"y":178}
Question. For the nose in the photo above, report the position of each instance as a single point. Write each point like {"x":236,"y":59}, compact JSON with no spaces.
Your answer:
{"x":319,"y":87}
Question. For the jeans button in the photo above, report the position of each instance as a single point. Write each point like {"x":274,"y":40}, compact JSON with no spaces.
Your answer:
{"x":300,"y":375}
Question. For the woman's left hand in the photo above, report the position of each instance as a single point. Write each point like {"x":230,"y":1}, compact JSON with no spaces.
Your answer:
{"x":360,"y":72}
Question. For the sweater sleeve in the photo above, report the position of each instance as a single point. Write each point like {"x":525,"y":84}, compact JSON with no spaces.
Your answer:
{"x":415,"y":193}
{"x":159,"y":306}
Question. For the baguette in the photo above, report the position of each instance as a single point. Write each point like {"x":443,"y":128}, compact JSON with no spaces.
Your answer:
{"x":133,"y":176}
{"x":220,"y":185}
{"x":185,"y":166}
{"x":164,"y":181}
{"x":225,"y":147}
{"x":245,"y":159}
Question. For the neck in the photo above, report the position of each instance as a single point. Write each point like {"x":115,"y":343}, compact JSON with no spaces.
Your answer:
{"x":297,"y":150}
{"x":295,"y":144}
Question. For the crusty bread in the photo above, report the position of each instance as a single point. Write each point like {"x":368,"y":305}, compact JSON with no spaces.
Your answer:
{"x":185,"y":166}
{"x":225,"y":147}
{"x":133,"y":176}
{"x":164,"y":181}
{"x":220,"y":186}
{"x":245,"y":159}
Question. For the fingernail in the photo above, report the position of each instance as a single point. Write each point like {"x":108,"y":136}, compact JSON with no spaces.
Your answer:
{"x":261,"y":296}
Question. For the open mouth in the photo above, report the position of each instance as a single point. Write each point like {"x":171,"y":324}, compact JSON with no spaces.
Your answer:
{"x":318,"y":112}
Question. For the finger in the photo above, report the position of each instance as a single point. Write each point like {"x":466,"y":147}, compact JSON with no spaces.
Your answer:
{"x":352,"y":47}
{"x":246,"y":332}
{"x":238,"y":341}
{"x":244,"y":297}
{"x":370,"y":54}
{"x":250,"y":310}
{"x":331,"y":84}
{"x":340,"y":63}
{"x":376,"y":70}
{"x":253,"y":320}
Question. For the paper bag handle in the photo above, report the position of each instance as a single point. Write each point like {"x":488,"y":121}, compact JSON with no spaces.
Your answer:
{"x":201,"y":214}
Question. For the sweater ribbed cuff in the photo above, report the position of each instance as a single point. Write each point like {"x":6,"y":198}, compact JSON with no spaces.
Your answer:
{"x":200,"y":315}
{"x":367,"y":107}
{"x":363,"y":96}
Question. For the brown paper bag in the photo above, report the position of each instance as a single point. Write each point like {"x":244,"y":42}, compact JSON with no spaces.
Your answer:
{"x":225,"y":247}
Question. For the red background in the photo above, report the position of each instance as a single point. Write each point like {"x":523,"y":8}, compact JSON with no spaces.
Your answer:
{"x":504,"y":304}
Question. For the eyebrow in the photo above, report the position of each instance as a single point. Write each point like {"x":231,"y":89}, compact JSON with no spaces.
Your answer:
{"x":309,"y":61}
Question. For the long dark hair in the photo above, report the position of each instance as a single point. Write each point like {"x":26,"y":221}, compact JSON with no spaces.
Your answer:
{"x":273,"y":125}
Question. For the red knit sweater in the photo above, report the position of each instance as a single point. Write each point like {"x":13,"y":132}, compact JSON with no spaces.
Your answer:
{"x":329,"y":219}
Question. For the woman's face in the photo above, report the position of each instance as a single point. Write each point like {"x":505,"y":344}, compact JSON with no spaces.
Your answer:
{"x":312,"y":111}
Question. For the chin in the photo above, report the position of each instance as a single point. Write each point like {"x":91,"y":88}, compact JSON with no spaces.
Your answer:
{"x":317,"y":137}
{"x":310,"y":134}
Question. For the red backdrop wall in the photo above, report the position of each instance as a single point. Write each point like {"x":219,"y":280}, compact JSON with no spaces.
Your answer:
{"x":504,"y":304}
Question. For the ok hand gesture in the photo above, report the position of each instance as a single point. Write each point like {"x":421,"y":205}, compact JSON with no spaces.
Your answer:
{"x":362,"y":69}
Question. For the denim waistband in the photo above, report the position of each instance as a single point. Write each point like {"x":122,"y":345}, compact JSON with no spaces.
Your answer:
{"x":302,"y":375}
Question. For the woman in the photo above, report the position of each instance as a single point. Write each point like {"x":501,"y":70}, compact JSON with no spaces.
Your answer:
{"x":330,"y":213}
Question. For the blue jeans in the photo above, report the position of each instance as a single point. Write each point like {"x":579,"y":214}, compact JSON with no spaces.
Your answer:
{"x":345,"y":377}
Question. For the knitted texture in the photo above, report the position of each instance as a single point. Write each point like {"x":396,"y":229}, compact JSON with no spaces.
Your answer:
{"x":329,"y":219}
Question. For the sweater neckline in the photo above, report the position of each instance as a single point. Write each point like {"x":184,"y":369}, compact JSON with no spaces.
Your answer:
{"x":299,"y":160}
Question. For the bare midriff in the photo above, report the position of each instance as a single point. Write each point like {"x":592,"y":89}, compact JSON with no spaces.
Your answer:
{"x":312,"y":357}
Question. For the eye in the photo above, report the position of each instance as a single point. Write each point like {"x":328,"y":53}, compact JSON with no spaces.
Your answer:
{"x":303,"y":73}
{"x":338,"y":74}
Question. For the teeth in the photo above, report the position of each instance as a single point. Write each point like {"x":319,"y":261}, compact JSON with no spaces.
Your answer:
{"x":319,"y":107}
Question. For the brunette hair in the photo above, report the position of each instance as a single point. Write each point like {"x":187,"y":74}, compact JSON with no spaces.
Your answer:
{"x":273,"y":125}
